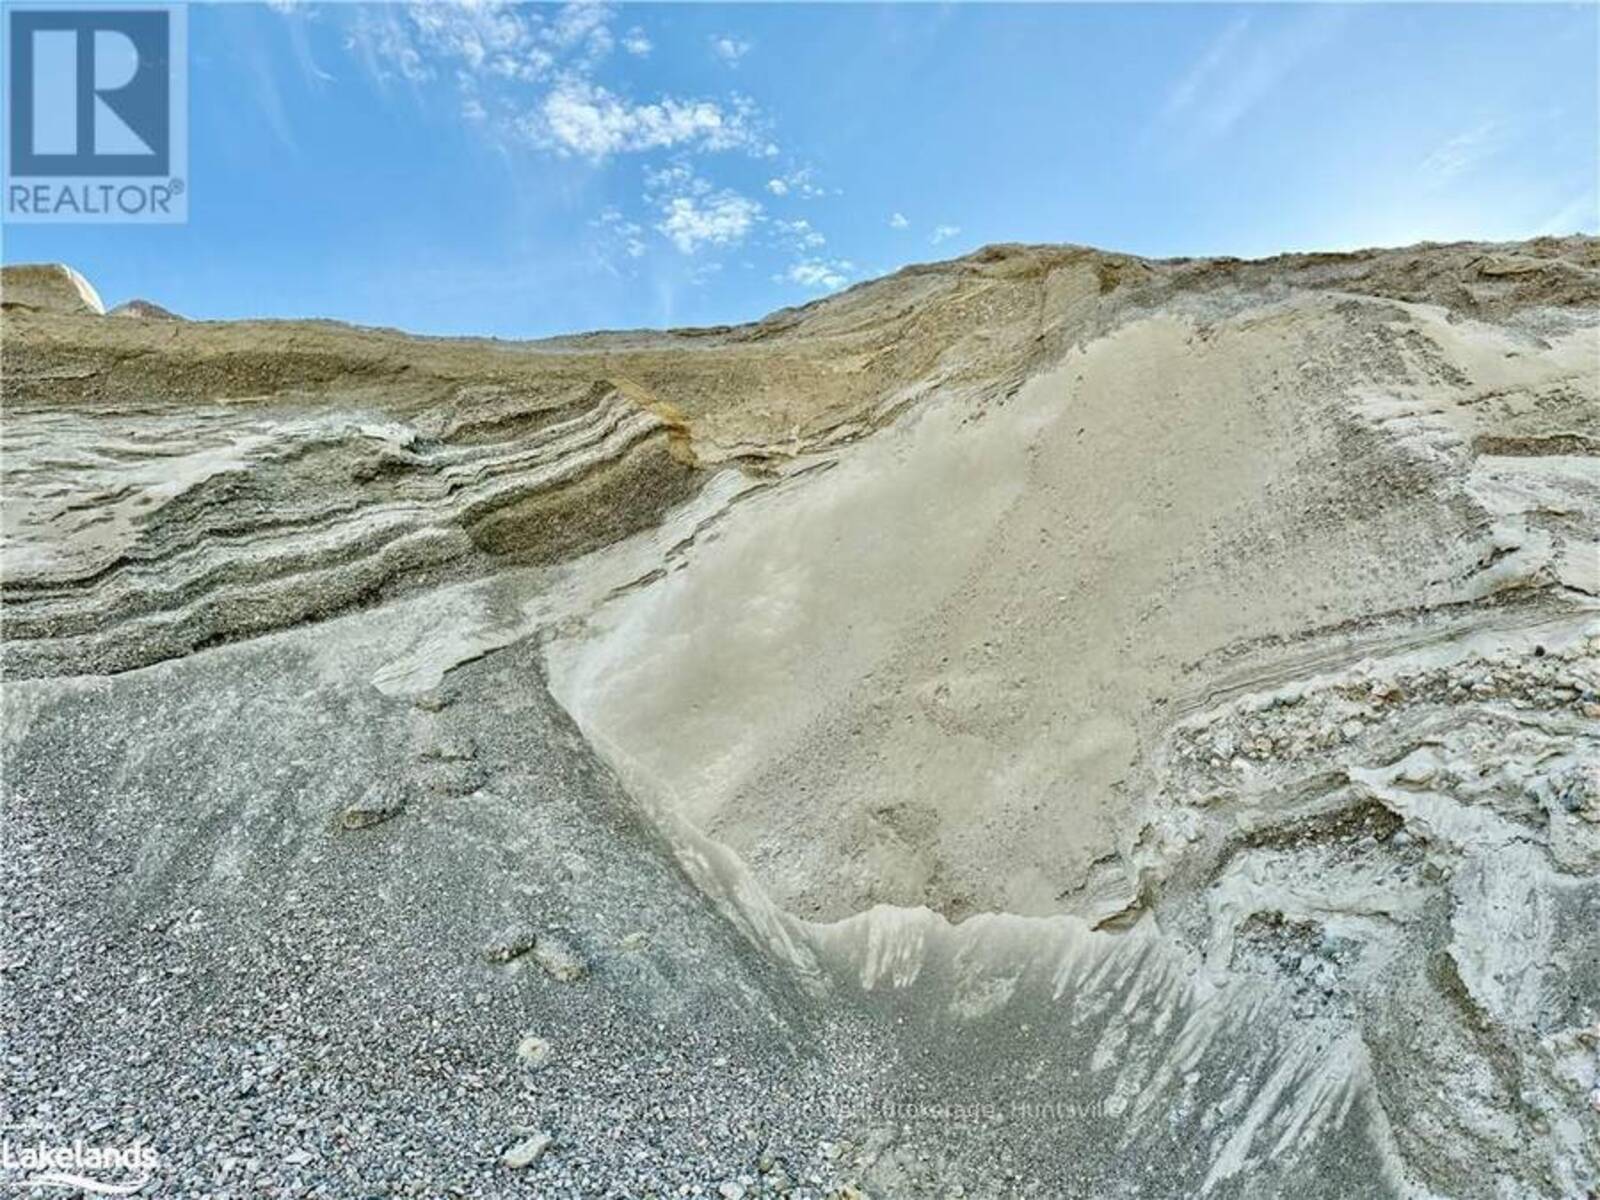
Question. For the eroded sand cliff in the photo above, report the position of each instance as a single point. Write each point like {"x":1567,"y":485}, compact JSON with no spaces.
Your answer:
{"x":1048,"y":723}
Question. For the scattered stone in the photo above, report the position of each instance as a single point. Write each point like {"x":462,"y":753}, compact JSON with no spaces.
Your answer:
{"x":533,"y":1050}
{"x":454,"y":778}
{"x":527,"y":1152}
{"x":432,"y":700}
{"x":513,"y":941}
{"x":380,"y":804}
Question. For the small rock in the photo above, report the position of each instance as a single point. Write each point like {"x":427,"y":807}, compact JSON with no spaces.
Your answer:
{"x":635,"y":941}
{"x":380,"y":804}
{"x":432,"y":701}
{"x":297,"y":1158}
{"x":527,"y":1152}
{"x":511,"y":942}
{"x":533,"y":1050}
{"x":454,"y":778}
{"x":559,"y":960}
{"x":731,"y":1190}
{"x":1417,"y":773}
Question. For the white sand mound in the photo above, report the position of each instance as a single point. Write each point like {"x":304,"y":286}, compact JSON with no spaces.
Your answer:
{"x":52,"y":287}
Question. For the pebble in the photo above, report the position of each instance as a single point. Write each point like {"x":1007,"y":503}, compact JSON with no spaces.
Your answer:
{"x":511,"y":942}
{"x":533,"y":1050}
{"x":527,"y":1152}
{"x":380,"y":804}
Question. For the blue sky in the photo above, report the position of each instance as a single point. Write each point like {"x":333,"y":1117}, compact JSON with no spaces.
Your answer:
{"x":528,"y":170}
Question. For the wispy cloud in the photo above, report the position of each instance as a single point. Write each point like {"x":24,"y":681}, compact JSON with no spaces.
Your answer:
{"x":529,"y":74}
{"x":269,"y":98}
{"x":799,"y":182}
{"x":943,"y":233}
{"x":1195,"y":82}
{"x":817,"y":273}
{"x":636,"y":43}
{"x":898,"y":221}
{"x":1242,"y":65}
{"x":1463,"y":152}
{"x":616,"y":239}
{"x":729,"y":49}
{"x":799,"y":234}
{"x":1580,"y":214}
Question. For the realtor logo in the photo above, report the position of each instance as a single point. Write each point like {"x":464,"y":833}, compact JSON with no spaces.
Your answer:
{"x":96,"y":106}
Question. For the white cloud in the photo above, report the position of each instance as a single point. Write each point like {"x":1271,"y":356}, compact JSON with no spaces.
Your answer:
{"x":800,"y":234}
{"x":528,"y":72}
{"x":729,"y":49}
{"x":576,"y":23}
{"x":798,"y":183}
{"x":898,"y":221}
{"x":694,"y":213}
{"x":386,"y":46}
{"x":827,"y":274}
{"x":583,"y":118}
{"x":490,"y":39}
{"x":943,"y":233}
{"x":675,"y":177}
{"x":720,"y":219}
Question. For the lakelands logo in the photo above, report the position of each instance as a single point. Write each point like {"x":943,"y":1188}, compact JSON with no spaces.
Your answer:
{"x":96,"y":114}
{"x":76,"y":1166}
